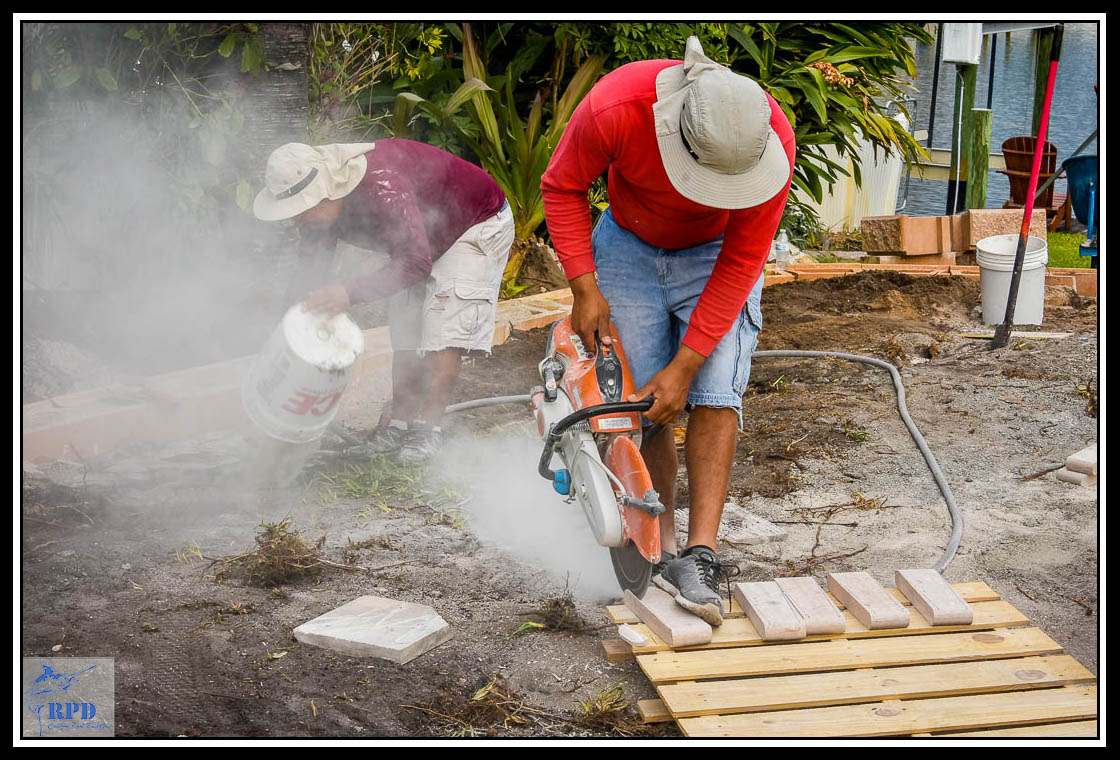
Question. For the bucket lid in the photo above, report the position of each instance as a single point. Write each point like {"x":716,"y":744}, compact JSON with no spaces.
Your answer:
{"x":330,"y":343}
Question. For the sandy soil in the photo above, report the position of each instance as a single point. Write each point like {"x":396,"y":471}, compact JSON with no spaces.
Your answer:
{"x":117,"y":555}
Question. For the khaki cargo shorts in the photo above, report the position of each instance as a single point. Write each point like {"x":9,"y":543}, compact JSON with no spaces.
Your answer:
{"x":455,"y":306}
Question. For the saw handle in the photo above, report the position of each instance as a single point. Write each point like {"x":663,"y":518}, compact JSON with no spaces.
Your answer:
{"x":578,"y":416}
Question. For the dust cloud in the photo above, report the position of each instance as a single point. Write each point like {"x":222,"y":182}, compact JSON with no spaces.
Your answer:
{"x":515,"y":510}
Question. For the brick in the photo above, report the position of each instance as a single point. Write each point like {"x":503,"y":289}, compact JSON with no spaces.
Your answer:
{"x":881,"y":233}
{"x":1084,"y":461}
{"x":867,"y":600}
{"x":985,"y":222}
{"x":674,"y":624}
{"x":933,"y":597}
{"x":773,"y":616}
{"x":1077,"y":478}
{"x":373,"y":626}
{"x":813,"y":605}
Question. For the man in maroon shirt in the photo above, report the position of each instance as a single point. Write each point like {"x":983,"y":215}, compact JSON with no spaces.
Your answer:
{"x":447,"y":228}
{"x":699,"y":163}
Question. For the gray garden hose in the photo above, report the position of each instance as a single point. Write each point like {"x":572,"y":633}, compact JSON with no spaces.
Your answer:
{"x":900,"y":391}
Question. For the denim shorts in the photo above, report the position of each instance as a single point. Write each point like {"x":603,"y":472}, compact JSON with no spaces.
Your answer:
{"x":652,"y":292}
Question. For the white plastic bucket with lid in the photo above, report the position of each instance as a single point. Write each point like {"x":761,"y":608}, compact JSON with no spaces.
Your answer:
{"x":292,"y":390}
{"x":996,"y":257}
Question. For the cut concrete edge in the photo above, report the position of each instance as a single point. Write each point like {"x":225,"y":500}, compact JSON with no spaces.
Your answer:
{"x":933,"y":597}
{"x":866,"y":598}
{"x":771,"y":613}
{"x":1084,"y":461}
{"x":676,"y":626}
{"x":1076,"y":478}
{"x":806,"y":596}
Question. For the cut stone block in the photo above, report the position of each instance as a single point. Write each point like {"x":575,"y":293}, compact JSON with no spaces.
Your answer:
{"x":933,"y":597}
{"x":1077,"y":478}
{"x":773,"y":616}
{"x":372,"y":626}
{"x":813,"y":605}
{"x":881,"y":233}
{"x":868,"y":601}
{"x":985,"y":222}
{"x":1084,"y":461}
{"x":674,"y":624}
{"x":631,"y":636}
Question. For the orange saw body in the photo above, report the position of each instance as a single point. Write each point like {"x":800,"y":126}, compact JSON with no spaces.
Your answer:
{"x":585,"y":422}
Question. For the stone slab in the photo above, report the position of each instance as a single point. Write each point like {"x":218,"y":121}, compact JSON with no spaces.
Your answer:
{"x":867,"y":600}
{"x":770,"y":612}
{"x":813,"y":605}
{"x":373,"y":626}
{"x":745,"y":527}
{"x":632,"y":636}
{"x":933,"y":597}
{"x":1077,"y":478}
{"x":674,"y":624}
{"x":985,"y":222}
{"x":1084,"y":461}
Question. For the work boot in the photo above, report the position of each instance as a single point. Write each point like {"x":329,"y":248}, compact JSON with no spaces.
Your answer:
{"x":696,"y":575}
{"x":386,"y":439}
{"x":421,"y":443}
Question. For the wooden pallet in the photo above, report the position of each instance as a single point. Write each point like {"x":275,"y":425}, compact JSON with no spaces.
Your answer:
{"x":998,"y":677}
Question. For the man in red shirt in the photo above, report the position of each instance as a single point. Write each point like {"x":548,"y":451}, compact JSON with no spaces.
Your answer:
{"x":699,"y":163}
{"x":447,"y":228}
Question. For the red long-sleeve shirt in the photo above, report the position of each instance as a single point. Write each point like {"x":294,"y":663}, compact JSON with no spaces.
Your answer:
{"x":613,"y":128}
{"x":414,"y":202}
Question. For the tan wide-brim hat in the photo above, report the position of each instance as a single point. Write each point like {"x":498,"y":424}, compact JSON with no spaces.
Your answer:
{"x":714,"y":135}
{"x":297,"y":177}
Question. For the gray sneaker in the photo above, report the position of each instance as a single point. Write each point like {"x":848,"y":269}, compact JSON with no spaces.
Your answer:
{"x":658,"y":579}
{"x":421,"y":443}
{"x":386,"y":439}
{"x":696,"y":575}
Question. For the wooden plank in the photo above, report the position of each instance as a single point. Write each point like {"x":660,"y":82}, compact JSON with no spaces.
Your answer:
{"x":839,"y":654}
{"x":813,"y":605}
{"x":893,"y":718}
{"x":975,"y":591}
{"x":653,"y":711}
{"x":741,"y":632}
{"x":769,"y":611}
{"x":672,"y":623}
{"x":1072,"y":730}
{"x":685,"y":700}
{"x":933,"y":597}
{"x":616,"y":650}
{"x":867,"y":600}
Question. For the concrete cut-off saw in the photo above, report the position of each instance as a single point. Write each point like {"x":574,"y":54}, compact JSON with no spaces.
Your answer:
{"x":584,"y":421}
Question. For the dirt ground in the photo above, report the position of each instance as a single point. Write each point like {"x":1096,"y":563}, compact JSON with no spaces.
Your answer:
{"x":119,"y":556}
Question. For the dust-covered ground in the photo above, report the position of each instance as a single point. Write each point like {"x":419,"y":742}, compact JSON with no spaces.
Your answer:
{"x":128,"y":558}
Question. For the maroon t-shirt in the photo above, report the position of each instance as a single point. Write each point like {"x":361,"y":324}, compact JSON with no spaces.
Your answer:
{"x":414,"y":202}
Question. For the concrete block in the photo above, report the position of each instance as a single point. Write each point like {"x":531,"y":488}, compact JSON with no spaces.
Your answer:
{"x":1085,"y":283}
{"x":1077,"y":478}
{"x":867,"y":600}
{"x":1084,"y":461}
{"x":933,"y":597}
{"x":769,"y":610}
{"x":631,"y":636}
{"x":881,"y":233}
{"x":1061,"y":281}
{"x":813,"y":605}
{"x":673,"y":623}
{"x":373,"y":626}
{"x":985,"y":222}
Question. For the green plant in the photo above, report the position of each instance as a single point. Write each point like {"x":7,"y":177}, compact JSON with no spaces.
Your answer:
{"x":514,"y":150}
{"x":344,"y":62}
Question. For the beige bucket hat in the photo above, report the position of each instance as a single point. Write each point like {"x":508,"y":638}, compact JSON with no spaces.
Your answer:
{"x":713,"y":131}
{"x":297,"y":177}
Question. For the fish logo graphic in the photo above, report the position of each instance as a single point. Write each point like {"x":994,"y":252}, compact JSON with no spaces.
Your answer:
{"x":50,"y":687}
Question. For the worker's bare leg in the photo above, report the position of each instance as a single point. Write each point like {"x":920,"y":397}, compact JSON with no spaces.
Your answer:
{"x":409,"y":385}
{"x":660,"y":455}
{"x":442,"y":369}
{"x":709,"y":451}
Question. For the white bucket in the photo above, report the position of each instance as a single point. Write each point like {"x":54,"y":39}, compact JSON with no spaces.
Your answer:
{"x":996,"y":257}
{"x":292,"y":390}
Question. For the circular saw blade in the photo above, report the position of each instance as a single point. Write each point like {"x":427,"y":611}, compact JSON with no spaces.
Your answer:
{"x":631,"y":568}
